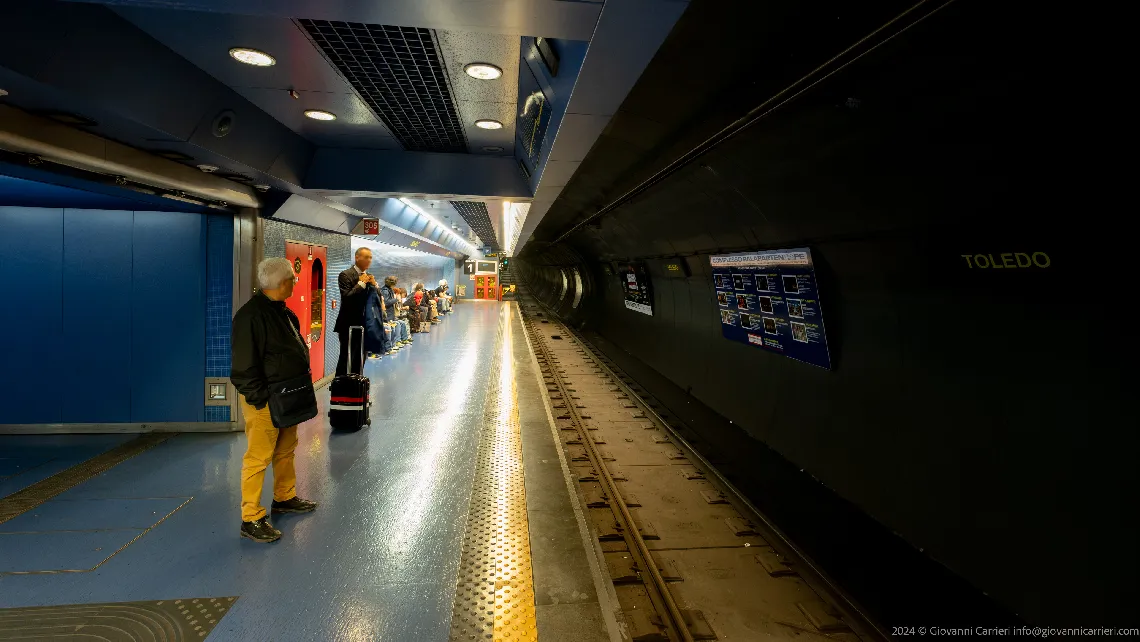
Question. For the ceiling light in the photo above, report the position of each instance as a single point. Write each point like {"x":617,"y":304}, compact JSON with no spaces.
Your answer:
{"x":252,"y":57}
{"x":483,"y":71}
{"x":3,"y":92}
{"x":488,"y":124}
{"x":317,"y":114}
{"x":493,"y":149}
{"x":208,"y":168}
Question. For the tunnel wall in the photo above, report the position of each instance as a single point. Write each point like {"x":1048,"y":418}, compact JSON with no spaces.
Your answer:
{"x":985,"y":415}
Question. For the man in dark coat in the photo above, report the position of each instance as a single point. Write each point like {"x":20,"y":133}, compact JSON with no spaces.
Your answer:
{"x":354,"y":284}
{"x":267,"y":349}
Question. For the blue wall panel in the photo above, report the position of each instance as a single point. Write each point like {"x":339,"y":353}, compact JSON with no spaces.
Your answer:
{"x":168,"y":320}
{"x":97,"y":315}
{"x":30,"y":241}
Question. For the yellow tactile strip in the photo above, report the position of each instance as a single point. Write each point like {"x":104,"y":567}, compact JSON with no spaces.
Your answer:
{"x":494,"y":597}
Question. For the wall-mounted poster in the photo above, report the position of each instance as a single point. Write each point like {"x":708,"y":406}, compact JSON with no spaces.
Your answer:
{"x":635,"y":286}
{"x":771,"y":300}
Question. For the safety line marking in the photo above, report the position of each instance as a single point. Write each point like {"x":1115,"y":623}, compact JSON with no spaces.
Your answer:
{"x":494,"y":596}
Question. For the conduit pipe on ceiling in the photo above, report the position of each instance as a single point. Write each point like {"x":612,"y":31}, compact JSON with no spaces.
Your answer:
{"x":55,"y":142}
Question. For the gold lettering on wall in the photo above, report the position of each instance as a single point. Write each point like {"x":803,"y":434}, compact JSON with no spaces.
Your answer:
{"x":1007,"y":260}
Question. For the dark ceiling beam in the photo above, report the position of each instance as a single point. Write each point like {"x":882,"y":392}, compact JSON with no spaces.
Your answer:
{"x":547,"y":18}
{"x":97,"y":59}
{"x":362,"y":172}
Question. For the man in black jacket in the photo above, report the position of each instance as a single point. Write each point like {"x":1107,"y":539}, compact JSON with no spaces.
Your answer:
{"x":354,"y":283}
{"x":267,"y":350}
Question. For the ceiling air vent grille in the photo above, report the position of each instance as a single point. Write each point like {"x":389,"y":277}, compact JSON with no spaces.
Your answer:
{"x":476,"y":215}
{"x":399,"y":73}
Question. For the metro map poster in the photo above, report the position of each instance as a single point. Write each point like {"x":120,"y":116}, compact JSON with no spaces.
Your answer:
{"x":771,"y":300}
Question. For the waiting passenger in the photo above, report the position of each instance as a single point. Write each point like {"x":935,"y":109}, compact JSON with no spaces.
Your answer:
{"x":268,"y":350}
{"x":402,"y":317}
{"x":354,"y":283}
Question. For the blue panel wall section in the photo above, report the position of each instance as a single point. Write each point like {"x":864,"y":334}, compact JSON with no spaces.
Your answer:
{"x":129,"y":310}
{"x":168,"y":318}
{"x":219,"y":302}
{"x":30,"y":240}
{"x":97,"y":316}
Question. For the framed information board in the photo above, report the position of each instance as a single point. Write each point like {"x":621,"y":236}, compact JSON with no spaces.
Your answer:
{"x":635,"y":286}
{"x":771,"y":300}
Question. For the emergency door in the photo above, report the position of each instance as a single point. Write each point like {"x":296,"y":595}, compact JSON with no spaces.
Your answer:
{"x":310,"y":264}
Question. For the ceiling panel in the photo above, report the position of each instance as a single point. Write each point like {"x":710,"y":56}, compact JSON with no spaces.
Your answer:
{"x":478,"y":217}
{"x":355,"y":122}
{"x":478,"y":99}
{"x":205,"y":40}
{"x":399,"y":73}
{"x":471,"y":110}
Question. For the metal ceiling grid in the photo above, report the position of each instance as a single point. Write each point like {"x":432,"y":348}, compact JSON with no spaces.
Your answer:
{"x":477,"y":216}
{"x":399,"y":73}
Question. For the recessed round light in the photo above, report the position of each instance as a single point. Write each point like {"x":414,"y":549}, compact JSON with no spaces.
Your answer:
{"x":3,"y":92}
{"x":209,"y":169}
{"x":252,"y":57}
{"x":483,"y":71}
{"x":488,"y":124}
{"x":493,"y":150}
{"x":317,"y":114}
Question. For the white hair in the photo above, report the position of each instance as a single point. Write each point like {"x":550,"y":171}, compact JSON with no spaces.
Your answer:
{"x":271,"y":273}
{"x":443,"y":281}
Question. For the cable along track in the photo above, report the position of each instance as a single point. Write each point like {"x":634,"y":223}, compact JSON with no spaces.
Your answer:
{"x":689,"y":558}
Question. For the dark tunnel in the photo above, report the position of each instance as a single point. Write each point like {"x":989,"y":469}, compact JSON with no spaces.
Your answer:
{"x":970,"y":444}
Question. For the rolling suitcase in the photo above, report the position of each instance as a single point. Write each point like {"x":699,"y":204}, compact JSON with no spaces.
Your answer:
{"x":350,"y":400}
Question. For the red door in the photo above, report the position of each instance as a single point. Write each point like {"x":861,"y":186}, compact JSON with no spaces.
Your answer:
{"x":308,"y":300}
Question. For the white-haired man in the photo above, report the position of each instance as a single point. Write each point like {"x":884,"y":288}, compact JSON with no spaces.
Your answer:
{"x":268,"y":351}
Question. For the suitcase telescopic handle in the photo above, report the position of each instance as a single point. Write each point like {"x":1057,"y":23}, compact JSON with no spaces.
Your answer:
{"x":359,"y":352}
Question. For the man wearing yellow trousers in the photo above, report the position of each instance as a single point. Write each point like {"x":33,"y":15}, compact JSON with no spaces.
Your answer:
{"x":267,"y":350}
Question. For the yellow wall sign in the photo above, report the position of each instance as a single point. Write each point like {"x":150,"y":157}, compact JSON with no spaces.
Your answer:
{"x":413,"y":243}
{"x":1011,"y":260}
{"x":673,"y":267}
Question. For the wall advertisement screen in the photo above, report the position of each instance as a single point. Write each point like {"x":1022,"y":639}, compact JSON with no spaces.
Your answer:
{"x":771,"y":300}
{"x":635,"y":287}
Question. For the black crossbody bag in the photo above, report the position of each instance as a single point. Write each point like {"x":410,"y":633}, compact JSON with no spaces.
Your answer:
{"x":294,"y":401}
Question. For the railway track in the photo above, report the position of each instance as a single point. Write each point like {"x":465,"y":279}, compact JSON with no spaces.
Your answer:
{"x":689,"y":557}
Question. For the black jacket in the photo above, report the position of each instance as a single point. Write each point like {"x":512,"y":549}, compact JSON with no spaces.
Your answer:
{"x":265,"y":349}
{"x":352,"y":300}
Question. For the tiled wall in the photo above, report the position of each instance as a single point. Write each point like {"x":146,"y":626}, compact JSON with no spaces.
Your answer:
{"x":408,"y":268}
{"x":219,"y":302}
{"x":339,"y":258}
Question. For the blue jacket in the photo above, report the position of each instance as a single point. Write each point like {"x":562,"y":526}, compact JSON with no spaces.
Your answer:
{"x":375,"y":340}
{"x":389,"y":297}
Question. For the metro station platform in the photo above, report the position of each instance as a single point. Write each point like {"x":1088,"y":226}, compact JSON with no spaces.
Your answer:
{"x":450,"y":517}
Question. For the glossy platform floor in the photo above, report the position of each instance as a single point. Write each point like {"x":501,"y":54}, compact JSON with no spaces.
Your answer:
{"x":377,"y":561}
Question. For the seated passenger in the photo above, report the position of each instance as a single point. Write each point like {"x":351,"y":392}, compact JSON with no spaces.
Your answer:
{"x":415,"y":317}
{"x":444,"y":297}
{"x":402,"y":316}
{"x":388,"y":296}
{"x":433,"y":309}
{"x":267,"y":350}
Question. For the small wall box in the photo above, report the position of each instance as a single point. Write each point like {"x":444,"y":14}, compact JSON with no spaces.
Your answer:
{"x":217,"y":391}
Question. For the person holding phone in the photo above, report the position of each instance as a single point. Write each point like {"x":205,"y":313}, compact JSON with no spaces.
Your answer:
{"x":354,"y":286}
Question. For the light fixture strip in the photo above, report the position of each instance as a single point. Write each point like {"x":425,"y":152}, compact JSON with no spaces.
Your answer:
{"x":431,"y":218}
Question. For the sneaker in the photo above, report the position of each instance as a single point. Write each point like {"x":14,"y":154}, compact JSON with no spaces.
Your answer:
{"x":260,"y":531}
{"x":295,"y":505}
